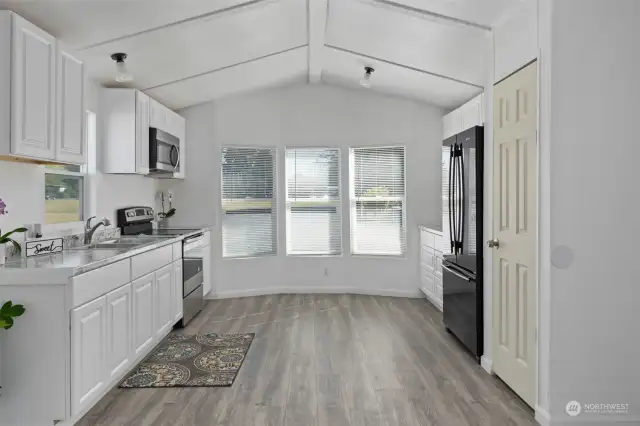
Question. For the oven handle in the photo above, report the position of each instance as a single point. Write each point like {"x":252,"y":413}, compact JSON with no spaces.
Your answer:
{"x":457,"y":274}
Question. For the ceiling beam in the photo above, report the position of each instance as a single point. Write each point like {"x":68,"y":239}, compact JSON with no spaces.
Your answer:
{"x":396,"y":64}
{"x":432,"y":15}
{"x":173,"y":24}
{"x":226,"y":67}
{"x":317,"y":24}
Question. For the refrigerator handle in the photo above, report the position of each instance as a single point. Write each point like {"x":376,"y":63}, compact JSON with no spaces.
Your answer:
{"x":451,"y":201}
{"x":462,"y":200}
{"x":457,"y":274}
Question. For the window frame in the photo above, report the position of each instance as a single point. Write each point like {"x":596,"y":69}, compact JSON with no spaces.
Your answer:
{"x":353,"y":200}
{"x":274,"y":202}
{"x":288,"y":202}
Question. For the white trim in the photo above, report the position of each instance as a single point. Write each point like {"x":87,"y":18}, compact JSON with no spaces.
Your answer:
{"x":416,"y":294}
{"x":541,"y":416}
{"x":487,"y":364}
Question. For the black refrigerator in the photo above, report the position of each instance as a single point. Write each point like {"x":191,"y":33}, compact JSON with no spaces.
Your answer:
{"x":462,"y":197}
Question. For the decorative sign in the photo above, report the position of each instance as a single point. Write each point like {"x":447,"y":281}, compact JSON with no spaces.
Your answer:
{"x":42,"y":247}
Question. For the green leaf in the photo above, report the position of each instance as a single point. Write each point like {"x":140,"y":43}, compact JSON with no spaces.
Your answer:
{"x":5,"y":308}
{"x":8,"y":323}
{"x":6,"y":236}
{"x":17,"y":310}
{"x":2,"y":323}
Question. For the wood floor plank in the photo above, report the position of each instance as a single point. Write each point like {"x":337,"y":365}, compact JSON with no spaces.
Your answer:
{"x":328,"y":360}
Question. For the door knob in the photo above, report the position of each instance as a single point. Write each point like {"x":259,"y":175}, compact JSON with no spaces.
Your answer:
{"x":493,"y":243}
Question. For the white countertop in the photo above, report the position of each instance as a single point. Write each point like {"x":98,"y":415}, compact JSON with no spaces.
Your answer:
{"x":57,"y":268}
{"x":432,"y":229}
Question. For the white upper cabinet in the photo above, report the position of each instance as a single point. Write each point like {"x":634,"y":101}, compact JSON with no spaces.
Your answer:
{"x":33,"y":89}
{"x":467,"y":116}
{"x":128,"y":114}
{"x":125,"y":114}
{"x":41,"y":95}
{"x":70,"y":139}
{"x":142,"y":133}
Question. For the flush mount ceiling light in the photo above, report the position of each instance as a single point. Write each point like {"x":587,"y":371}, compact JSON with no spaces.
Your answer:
{"x":122,"y":75}
{"x":366,"y":80}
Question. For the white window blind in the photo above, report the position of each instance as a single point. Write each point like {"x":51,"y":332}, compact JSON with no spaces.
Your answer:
{"x":248,"y":202}
{"x":378,"y":203}
{"x":313,"y":201}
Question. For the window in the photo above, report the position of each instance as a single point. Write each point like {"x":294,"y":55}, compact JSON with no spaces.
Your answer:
{"x":64,"y":187}
{"x":313,"y":201}
{"x":377,"y":199}
{"x":249,"y":224}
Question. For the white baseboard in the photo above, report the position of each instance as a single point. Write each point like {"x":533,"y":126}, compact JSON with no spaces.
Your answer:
{"x":542,"y":417}
{"x":314,"y":290}
{"x":487,"y":364}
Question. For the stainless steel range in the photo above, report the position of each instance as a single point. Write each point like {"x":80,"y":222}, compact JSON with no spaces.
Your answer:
{"x":138,"y":221}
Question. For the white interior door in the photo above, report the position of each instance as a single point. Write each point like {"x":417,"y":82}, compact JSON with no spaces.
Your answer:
{"x":514,"y":227}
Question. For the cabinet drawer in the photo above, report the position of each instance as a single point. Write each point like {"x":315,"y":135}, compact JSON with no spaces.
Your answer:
{"x":151,"y":261}
{"x":177,"y":250}
{"x":438,"y":242}
{"x":93,"y":284}
{"x":438,"y":268}
{"x":426,"y":238}
{"x":428,"y":259}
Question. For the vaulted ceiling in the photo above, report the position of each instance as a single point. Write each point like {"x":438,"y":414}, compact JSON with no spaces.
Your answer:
{"x":185,"y":52}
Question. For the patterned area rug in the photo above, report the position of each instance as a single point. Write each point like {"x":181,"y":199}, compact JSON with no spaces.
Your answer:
{"x":209,"y":360}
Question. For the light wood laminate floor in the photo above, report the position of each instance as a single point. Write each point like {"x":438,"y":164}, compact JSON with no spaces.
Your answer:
{"x":329,"y":360}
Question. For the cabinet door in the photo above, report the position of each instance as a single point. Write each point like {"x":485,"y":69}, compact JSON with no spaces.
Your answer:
{"x":181,"y":133}
{"x":206,"y":270}
{"x":33,"y":102}
{"x":142,"y":133}
{"x":119,"y":331}
{"x":71,"y":143}
{"x":177,"y":294}
{"x":143,"y":313}
{"x":427,"y":281}
{"x":88,"y":352}
{"x":438,"y":268}
{"x":428,"y":259}
{"x":165,"y":304}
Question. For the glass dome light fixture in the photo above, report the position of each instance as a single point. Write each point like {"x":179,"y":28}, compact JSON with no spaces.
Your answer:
{"x":366,"y":80}
{"x":122,"y":75}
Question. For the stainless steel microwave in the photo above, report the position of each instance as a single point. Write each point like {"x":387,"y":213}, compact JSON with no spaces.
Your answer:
{"x":164,"y":152}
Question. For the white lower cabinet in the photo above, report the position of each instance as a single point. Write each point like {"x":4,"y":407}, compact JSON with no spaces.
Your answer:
{"x":119,"y":331}
{"x":143,"y":313}
{"x":176,"y":296}
{"x":431,"y":265}
{"x":88,"y":352}
{"x":164,"y":300}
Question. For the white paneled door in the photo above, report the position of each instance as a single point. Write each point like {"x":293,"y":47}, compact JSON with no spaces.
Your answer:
{"x":88,"y":353}
{"x":165,"y":303}
{"x":32,"y":91}
{"x":70,"y":145}
{"x":143,"y":313}
{"x":514,"y":227}
{"x":119,"y":331}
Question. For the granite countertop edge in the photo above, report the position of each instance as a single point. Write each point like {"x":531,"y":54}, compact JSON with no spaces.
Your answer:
{"x":92,"y":265}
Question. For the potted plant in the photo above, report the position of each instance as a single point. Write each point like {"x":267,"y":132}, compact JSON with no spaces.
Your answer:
{"x":6,"y":238}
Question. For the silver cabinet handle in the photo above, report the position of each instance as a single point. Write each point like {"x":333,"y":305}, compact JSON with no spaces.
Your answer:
{"x":493,"y":243}
{"x":457,"y":274}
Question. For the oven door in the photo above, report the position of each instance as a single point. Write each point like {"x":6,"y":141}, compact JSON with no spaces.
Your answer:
{"x":192,"y":262}
{"x":164,"y":151}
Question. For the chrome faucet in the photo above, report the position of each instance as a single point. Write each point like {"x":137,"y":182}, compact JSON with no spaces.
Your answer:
{"x":89,"y":230}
